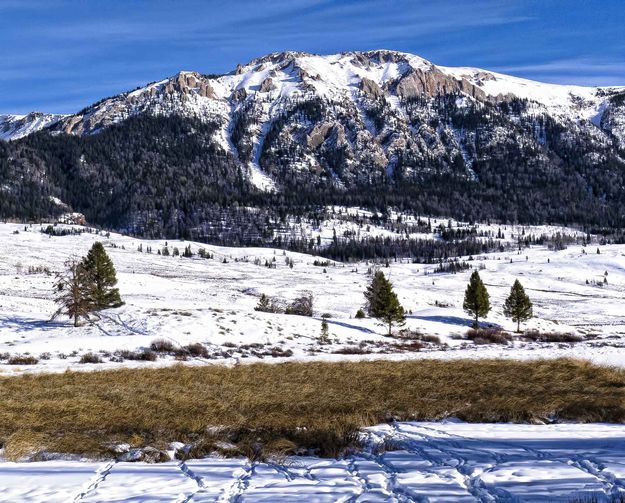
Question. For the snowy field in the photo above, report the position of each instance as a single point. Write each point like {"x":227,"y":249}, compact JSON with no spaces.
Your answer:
{"x":403,"y":462}
{"x":189,"y":300}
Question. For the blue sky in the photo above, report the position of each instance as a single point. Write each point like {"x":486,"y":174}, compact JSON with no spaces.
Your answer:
{"x":61,"y":55}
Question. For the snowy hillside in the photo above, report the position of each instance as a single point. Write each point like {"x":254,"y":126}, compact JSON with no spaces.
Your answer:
{"x":216,"y":157}
{"x":577,"y":295}
{"x":13,"y":127}
{"x":374,"y":89}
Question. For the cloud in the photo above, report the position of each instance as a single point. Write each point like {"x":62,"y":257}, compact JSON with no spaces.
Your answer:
{"x":584,"y":71}
{"x":63,"y":49}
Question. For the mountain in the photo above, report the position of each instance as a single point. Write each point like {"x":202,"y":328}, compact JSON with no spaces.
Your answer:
{"x":296,"y":129}
{"x":376,"y":108}
{"x":13,"y":127}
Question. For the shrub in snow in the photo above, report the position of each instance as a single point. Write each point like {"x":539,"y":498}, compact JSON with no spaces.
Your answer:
{"x":90,"y":358}
{"x":162,"y":346}
{"x":488,"y":336}
{"x":22,"y":360}
{"x":268,"y":304}
{"x":302,"y":305}
{"x":536,"y":336}
{"x":196,"y":349}
{"x":146,"y":355}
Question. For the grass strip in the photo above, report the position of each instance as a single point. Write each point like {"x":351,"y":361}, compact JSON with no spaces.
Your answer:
{"x":262,"y":409}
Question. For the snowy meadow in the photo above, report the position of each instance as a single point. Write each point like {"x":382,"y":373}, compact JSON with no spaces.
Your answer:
{"x":577,"y":294}
{"x":343,"y":416}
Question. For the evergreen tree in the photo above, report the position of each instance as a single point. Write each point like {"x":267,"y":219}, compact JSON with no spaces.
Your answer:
{"x":324,"y":338}
{"x":104,"y":277}
{"x":476,"y":299}
{"x":382,"y":302}
{"x":372,"y":294}
{"x":264,"y":304}
{"x":518,"y":305}
{"x":74,"y":292}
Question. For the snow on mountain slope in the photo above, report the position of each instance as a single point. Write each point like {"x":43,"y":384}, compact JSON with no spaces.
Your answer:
{"x":349,"y":117}
{"x":13,"y":127}
{"x":571,"y":101}
{"x":292,"y":75}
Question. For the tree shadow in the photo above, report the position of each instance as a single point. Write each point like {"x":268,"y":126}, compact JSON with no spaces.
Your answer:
{"x":19,"y":324}
{"x":349,"y":325}
{"x":453,"y":320}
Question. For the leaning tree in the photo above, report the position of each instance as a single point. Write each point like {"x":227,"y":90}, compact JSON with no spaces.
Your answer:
{"x":74,"y":292}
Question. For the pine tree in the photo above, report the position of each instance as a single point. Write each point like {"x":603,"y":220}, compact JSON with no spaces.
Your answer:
{"x":518,"y":305}
{"x":324,"y":338}
{"x":372,"y":295}
{"x":264,"y":304}
{"x":74,"y":292}
{"x":104,"y":277}
{"x":476,"y":299}
{"x":382,"y":302}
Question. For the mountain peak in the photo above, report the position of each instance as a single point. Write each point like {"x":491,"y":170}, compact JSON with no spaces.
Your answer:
{"x":13,"y":127}
{"x":380,"y":74}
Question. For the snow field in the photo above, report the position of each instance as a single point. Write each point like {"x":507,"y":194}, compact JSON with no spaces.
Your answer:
{"x":211,"y":302}
{"x":403,"y":462}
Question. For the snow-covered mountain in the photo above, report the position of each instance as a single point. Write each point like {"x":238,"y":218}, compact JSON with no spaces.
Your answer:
{"x":353,"y":77}
{"x":348,"y":128}
{"x":299,"y":112}
{"x":13,"y":127}
{"x":294,"y":111}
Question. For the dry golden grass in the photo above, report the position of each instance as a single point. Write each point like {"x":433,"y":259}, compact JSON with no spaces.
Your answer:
{"x":291,"y":405}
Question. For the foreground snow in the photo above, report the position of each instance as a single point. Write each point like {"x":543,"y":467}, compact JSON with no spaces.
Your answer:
{"x":188,"y":300}
{"x":421,"y":462}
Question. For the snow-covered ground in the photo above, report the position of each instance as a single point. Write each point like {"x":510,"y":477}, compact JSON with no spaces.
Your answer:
{"x":403,"y":462}
{"x":188,"y":300}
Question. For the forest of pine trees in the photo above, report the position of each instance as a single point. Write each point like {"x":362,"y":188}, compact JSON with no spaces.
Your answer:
{"x":158,"y":177}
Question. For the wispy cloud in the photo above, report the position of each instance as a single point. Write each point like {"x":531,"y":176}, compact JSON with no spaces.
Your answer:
{"x":59,"y":52}
{"x":585,"y":71}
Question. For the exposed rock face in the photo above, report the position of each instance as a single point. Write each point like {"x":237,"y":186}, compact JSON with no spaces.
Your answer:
{"x":239,"y":94}
{"x":181,"y":93}
{"x":267,"y":85}
{"x":318,"y":135}
{"x":434,"y":82}
{"x":370,"y":88}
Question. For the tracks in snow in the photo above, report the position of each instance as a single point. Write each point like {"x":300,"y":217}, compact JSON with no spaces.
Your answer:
{"x":94,"y":483}
{"x":405,"y":462}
